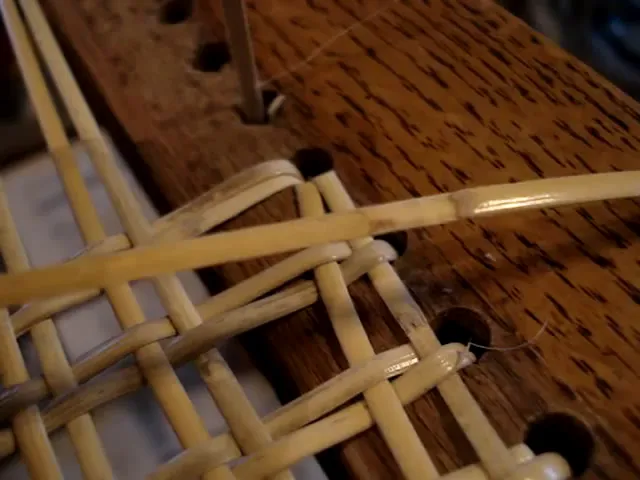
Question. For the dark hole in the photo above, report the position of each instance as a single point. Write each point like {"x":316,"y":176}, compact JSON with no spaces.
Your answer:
{"x":398,"y":240}
{"x":463,"y":325}
{"x":176,"y":11}
{"x":211,"y":57}
{"x":11,"y":97}
{"x":308,"y":275}
{"x":268,"y":96}
{"x":565,"y":435}
{"x":312,"y":162}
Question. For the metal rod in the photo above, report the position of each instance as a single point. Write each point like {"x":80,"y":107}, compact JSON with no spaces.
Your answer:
{"x":239,"y":36}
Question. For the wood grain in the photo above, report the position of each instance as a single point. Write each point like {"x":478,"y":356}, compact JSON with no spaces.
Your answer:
{"x":425,"y":98}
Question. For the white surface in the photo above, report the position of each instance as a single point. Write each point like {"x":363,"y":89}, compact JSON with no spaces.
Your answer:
{"x":133,"y":429}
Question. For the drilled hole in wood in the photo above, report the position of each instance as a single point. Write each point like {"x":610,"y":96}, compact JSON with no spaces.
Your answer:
{"x":463,"y":325}
{"x":565,"y":435}
{"x":11,"y":97}
{"x":399,"y":241}
{"x":312,"y":162}
{"x":271,"y":100}
{"x":176,"y":11}
{"x":211,"y":57}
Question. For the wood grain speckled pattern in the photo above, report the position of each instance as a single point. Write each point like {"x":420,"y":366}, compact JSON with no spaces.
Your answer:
{"x":427,"y":97}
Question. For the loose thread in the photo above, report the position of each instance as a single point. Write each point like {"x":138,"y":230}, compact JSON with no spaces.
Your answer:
{"x":521,"y":346}
{"x":319,"y":50}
